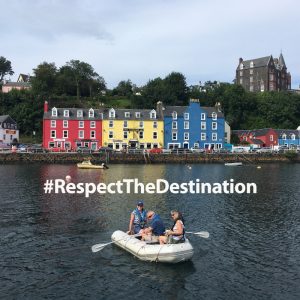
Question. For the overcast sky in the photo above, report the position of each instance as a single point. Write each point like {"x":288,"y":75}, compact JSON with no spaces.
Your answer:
{"x":145,"y":39}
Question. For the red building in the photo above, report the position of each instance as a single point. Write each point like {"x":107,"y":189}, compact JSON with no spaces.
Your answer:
{"x":69,"y":128}
{"x":266,"y":137}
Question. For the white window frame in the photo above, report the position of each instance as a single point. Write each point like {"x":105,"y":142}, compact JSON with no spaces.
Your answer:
{"x":271,"y":138}
{"x":174,"y":115}
{"x":176,"y":137}
{"x":153,"y":114}
{"x":174,"y":124}
{"x":137,"y":114}
{"x":203,"y":116}
{"x":214,"y":136}
{"x":80,"y":124}
{"x":125,"y":124}
{"x":79,"y":113}
{"x":125,"y":134}
{"x":110,"y":134}
{"x":155,"y":135}
{"x":65,"y":136}
{"x":93,"y":124}
{"x":214,"y":126}
{"x":127,"y":114}
{"x":112,"y":113}
{"x":93,"y":134}
{"x":293,"y":137}
{"x":186,"y":136}
{"x":81,"y":134}
{"x":284,"y":136}
{"x":186,"y":116}
{"x":65,"y":124}
{"x":186,"y":125}
{"x":203,"y":125}
{"x":66,"y":113}
{"x":214,"y":116}
{"x":53,"y":134}
{"x":203,"y":136}
{"x":91,"y":113}
{"x":141,"y":124}
{"x":54,"y":112}
{"x":53,"y":124}
{"x":110,"y":124}
{"x":155,"y":124}
{"x":141,"y":134}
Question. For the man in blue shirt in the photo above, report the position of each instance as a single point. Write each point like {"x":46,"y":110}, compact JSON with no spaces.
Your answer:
{"x":155,"y":227}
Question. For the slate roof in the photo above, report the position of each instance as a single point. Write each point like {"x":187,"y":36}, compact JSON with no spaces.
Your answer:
{"x":120,"y":114}
{"x":257,"y":62}
{"x":288,"y":133}
{"x":19,"y":84}
{"x":182,"y":109}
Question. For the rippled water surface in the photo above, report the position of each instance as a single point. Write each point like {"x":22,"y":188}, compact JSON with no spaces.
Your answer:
{"x":253,"y":251}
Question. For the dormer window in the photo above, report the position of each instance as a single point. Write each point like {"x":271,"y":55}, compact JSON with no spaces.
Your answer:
{"x":186,"y":116}
{"x":153,"y":114}
{"x":241,"y":66}
{"x":66,"y":113}
{"x":54,"y":112}
{"x":79,"y":113}
{"x":137,"y":114}
{"x":91,"y":113}
{"x":214,"y":116}
{"x":127,"y":114}
{"x":174,"y":115}
{"x":251,"y":64}
{"x":112,"y":113}
{"x":284,"y":136}
{"x":293,"y":136}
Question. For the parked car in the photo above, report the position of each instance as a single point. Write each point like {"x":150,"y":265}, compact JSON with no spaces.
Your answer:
{"x":155,"y":150}
{"x":166,"y":151}
{"x":221,"y":150}
{"x":56,"y":149}
{"x":105,"y":149}
{"x":265,"y":150}
{"x":36,"y":148}
{"x":83,"y":149}
{"x":197,"y":150}
{"x":181,"y":151}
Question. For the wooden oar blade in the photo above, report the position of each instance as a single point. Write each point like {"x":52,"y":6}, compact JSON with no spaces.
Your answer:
{"x":203,"y":234}
{"x":98,"y":247}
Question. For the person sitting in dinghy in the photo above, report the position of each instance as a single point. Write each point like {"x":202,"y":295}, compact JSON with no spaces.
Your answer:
{"x":177,"y":233}
{"x":155,"y":227}
{"x":138,"y":219}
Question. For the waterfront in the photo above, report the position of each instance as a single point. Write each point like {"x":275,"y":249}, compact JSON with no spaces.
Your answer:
{"x":253,"y":251}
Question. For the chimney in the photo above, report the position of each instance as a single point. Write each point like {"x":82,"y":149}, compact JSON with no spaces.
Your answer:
{"x":218,"y":106}
{"x":45,"y":106}
{"x":240,"y":60}
{"x":159,"y":108}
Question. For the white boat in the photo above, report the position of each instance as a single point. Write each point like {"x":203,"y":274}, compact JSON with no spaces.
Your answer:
{"x":234,"y":164}
{"x":86,"y":164}
{"x":168,"y":253}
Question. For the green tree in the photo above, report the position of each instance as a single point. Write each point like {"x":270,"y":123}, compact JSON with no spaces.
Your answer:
{"x":5,"y":68}
{"x":124,"y":88}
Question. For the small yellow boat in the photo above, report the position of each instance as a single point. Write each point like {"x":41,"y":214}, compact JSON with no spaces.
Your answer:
{"x":86,"y":164}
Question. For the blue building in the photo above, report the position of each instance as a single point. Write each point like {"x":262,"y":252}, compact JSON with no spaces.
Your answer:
{"x":288,"y":137}
{"x":193,"y":126}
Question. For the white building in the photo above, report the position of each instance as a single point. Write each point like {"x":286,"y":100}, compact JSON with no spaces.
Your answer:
{"x":9,"y":131}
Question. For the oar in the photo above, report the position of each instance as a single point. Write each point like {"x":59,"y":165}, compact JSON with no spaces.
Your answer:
{"x":99,"y":247}
{"x":203,"y":234}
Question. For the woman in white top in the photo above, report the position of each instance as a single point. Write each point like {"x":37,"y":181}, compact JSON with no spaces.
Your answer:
{"x":176,"y":234}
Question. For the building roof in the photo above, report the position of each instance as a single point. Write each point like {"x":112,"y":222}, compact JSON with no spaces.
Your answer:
{"x":210,"y":110}
{"x":24,"y":78}
{"x":288,"y":132}
{"x":17,"y":84}
{"x":7,"y":119}
{"x":102,"y":113}
{"x":182,"y":109}
{"x":257,"y":62}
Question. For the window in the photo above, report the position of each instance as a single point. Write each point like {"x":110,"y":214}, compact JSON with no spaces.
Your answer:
{"x":66,"y":113}
{"x":101,"y":116}
{"x":54,"y":112}
{"x":141,"y":134}
{"x":79,"y":113}
{"x":241,"y":80}
{"x":53,"y":134}
{"x":153,"y":114}
{"x":186,"y":116}
{"x":125,"y":124}
{"x":53,"y":123}
{"x":141,"y":124}
{"x":174,"y":136}
{"x":214,"y":116}
{"x":127,"y":114}
{"x":186,"y":136}
{"x":196,"y":145}
{"x":65,"y":133}
{"x":93,"y":134}
{"x":293,"y":136}
{"x":284,"y":136}
{"x":251,"y":71}
{"x":203,"y":125}
{"x":186,"y":125}
{"x":91,"y":113}
{"x":251,"y":88}
{"x":155,"y":124}
{"x":81,"y":134}
{"x":93,"y":124}
{"x":137,"y":114}
{"x":81,"y":124}
{"x":203,"y":137}
{"x":154,"y":135}
{"x":214,"y":136}
{"x":174,"y":115}
{"x":251,"y":79}
{"x":271,"y":138}
{"x":214,"y":125}
{"x":174,"y":125}
{"x":241,"y":66}
{"x":251,"y":64}
{"x":125,"y":134}
{"x":203,"y":116}
{"x":65,"y":124}
{"x":111,"y":124}
{"x":112,"y":113}
{"x":51,"y":144}
{"x":110,"y":134}
{"x":241,"y":73}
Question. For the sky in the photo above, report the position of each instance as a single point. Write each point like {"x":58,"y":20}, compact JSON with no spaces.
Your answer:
{"x":144,"y":39}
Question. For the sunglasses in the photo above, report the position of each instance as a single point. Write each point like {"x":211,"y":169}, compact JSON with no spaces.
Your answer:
{"x":149,"y":217}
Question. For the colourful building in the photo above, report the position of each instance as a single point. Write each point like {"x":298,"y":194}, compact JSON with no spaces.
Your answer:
{"x":132,"y":128}
{"x":288,"y":137}
{"x":69,"y":128}
{"x":193,"y":126}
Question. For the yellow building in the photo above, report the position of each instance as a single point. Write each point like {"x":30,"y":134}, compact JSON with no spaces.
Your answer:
{"x":132,"y":128}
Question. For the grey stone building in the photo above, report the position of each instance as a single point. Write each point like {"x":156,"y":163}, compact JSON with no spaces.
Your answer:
{"x":263,"y":74}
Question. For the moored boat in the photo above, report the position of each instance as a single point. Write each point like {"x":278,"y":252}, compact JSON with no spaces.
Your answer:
{"x":167,"y":253}
{"x":234,"y":164}
{"x":86,"y":164}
